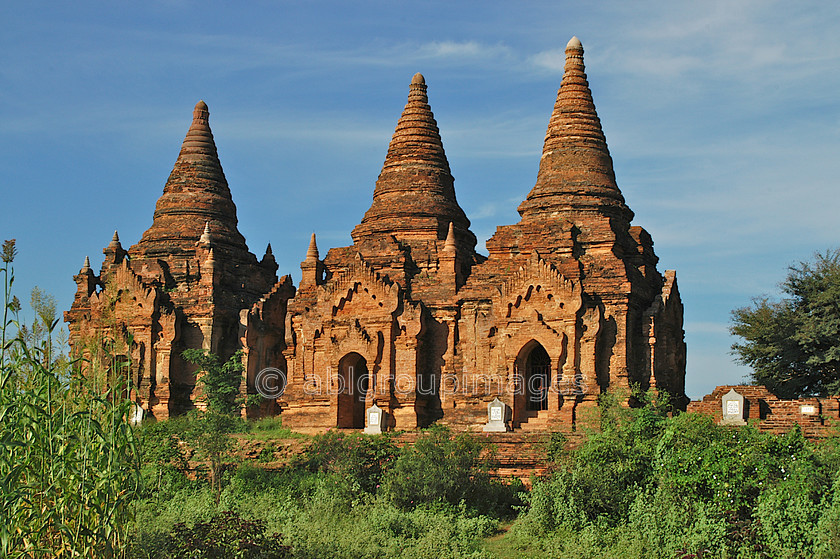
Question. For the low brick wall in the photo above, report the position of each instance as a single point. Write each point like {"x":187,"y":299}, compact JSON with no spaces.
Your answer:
{"x":815,"y":416}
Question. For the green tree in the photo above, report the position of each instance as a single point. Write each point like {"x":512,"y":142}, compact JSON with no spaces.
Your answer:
{"x":219,"y":381}
{"x":208,"y":432}
{"x":793,"y":345}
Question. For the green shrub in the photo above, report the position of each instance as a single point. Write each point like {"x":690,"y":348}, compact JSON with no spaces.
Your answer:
{"x":219,"y":381}
{"x":361,"y":459}
{"x":225,"y":536}
{"x":441,"y":467}
{"x":788,"y":511}
{"x":329,"y":526}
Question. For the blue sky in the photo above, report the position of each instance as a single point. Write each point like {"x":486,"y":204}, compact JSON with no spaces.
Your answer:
{"x":723,"y":120}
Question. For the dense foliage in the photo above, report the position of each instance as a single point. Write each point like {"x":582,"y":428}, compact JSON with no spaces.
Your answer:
{"x":793,"y":345}
{"x":225,"y":536}
{"x":650,"y":486}
{"x":640,"y":484}
{"x":69,"y":464}
{"x":219,"y":382}
{"x":340,"y":498}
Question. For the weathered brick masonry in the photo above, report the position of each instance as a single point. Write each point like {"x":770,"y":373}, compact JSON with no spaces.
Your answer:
{"x":568,"y":303}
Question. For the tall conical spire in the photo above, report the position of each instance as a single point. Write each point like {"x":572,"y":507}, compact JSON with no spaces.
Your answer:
{"x":576,"y":171}
{"x":196,"y":193}
{"x":416,"y":141}
{"x":414,"y":196}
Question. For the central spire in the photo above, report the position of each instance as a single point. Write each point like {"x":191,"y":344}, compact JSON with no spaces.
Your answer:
{"x":576,"y":172}
{"x":196,"y":194}
{"x":414,"y":198}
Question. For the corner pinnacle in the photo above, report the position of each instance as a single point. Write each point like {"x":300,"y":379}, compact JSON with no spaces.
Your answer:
{"x":449,"y":245}
{"x":312,"y":252}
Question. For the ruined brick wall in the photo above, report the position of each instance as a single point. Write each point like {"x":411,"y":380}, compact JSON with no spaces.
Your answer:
{"x":815,"y":416}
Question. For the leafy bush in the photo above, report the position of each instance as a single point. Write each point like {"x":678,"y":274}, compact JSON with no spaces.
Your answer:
{"x":225,"y":536}
{"x":332,"y":526}
{"x":219,"y":381}
{"x":441,"y":467}
{"x":651,"y":486}
{"x":361,"y":459}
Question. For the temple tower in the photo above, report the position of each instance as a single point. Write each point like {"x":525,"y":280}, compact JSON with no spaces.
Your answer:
{"x":570,"y":297}
{"x":181,"y":286}
{"x":387,"y":304}
{"x":568,"y":304}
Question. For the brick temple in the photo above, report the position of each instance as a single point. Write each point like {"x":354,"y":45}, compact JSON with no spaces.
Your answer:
{"x":568,"y":302}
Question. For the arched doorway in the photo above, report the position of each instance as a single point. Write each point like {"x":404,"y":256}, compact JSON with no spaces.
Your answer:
{"x":354,"y":386}
{"x":537,"y":378}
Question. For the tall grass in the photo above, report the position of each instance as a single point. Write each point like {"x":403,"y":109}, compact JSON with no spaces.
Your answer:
{"x":69,"y":466}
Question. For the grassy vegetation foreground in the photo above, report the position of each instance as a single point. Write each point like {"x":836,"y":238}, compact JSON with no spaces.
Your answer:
{"x":641,"y":485}
{"x":69,"y":461}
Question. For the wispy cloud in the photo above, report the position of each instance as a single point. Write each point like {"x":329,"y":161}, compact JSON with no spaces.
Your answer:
{"x":462,"y":50}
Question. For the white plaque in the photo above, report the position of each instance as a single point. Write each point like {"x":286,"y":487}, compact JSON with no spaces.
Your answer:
{"x":808,"y":410}
{"x":496,"y":414}
{"x":733,"y":407}
{"x":374,"y":418}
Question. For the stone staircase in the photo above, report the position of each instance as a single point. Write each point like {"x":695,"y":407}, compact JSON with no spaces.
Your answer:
{"x":534,"y":422}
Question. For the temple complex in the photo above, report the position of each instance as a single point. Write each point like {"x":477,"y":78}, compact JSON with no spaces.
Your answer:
{"x":410,"y":320}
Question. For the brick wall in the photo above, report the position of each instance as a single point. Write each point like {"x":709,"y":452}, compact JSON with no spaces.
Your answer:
{"x":771,"y":414}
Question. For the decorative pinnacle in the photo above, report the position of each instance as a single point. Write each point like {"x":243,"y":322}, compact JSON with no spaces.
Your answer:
{"x":449,"y":245}
{"x":205,"y":236}
{"x":418,"y":79}
{"x":312,"y":252}
{"x":115,"y":240}
{"x":268,"y":258}
{"x":201,"y":111}
{"x":574,"y":43}
{"x":86,"y":265}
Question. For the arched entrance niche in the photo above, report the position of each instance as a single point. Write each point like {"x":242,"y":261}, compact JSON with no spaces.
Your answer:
{"x":533,"y":366}
{"x":353,"y":391}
